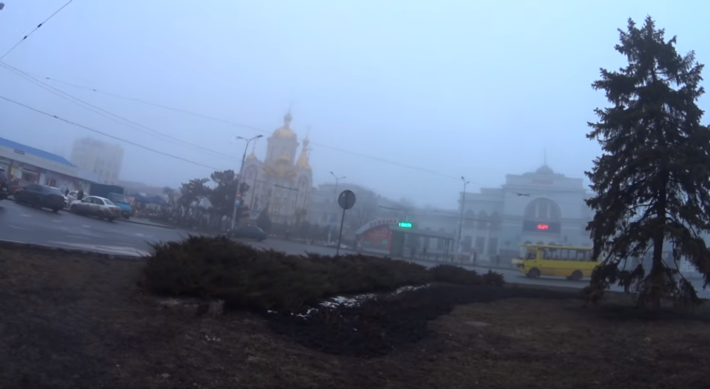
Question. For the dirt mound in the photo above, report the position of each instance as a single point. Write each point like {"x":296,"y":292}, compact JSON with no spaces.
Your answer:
{"x":379,"y":325}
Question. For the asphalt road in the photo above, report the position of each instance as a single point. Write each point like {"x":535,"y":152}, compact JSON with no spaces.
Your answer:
{"x":22,"y":223}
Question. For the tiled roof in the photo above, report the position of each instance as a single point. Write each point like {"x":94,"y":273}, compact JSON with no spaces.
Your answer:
{"x":36,"y":152}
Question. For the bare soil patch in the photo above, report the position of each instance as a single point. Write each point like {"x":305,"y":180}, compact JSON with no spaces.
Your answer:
{"x":79,"y":321}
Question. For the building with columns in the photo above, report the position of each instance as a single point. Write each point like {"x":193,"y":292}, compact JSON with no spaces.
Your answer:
{"x":536,"y":207}
{"x":281,"y":182}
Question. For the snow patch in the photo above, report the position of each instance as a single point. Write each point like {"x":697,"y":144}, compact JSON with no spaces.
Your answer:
{"x":353,"y":301}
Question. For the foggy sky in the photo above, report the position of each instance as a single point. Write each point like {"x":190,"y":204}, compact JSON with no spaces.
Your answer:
{"x":478,"y":89}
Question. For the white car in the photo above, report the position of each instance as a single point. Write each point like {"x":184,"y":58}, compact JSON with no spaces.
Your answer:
{"x":71,"y":197}
{"x":96,"y":206}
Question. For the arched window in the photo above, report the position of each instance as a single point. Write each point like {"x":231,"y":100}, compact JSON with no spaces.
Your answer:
{"x":542,"y":215}
{"x":543,"y":209}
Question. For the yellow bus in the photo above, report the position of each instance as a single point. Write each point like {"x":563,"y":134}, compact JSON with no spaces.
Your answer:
{"x":572,"y":262}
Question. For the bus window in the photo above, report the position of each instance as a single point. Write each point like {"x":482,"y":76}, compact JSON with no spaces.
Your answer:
{"x":588,"y":255}
{"x":564,"y":255}
{"x":532,"y":254}
{"x":581,"y":255}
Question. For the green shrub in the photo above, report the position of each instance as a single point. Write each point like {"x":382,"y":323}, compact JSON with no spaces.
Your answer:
{"x":450,"y":274}
{"x":245,"y":277}
{"x":493,"y":279}
{"x":208,"y":267}
{"x":355,"y":273}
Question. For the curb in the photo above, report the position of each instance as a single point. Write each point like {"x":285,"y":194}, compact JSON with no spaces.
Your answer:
{"x":146,"y":224}
{"x":13,"y":244}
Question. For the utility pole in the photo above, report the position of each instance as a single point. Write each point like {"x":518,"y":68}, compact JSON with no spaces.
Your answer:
{"x":459,"y":249}
{"x":237,"y":192}
{"x":335,"y":199}
{"x":337,"y":181}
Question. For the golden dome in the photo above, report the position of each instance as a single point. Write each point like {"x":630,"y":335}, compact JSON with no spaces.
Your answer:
{"x":285,"y":131}
{"x":251,"y":156}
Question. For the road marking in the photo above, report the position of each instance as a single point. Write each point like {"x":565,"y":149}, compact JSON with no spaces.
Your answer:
{"x":117,"y":250}
{"x":19,"y":228}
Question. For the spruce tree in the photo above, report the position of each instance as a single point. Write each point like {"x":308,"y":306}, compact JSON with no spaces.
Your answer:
{"x":652,"y":181}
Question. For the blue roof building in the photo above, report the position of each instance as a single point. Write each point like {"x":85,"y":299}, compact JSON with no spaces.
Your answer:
{"x":21,"y":149}
{"x":38,"y":166}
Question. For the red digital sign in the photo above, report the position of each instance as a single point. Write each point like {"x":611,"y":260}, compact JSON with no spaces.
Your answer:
{"x":542,"y":227}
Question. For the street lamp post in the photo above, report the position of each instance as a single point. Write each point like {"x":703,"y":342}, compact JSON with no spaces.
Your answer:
{"x":459,"y":249}
{"x":237,"y":193}
{"x":337,"y":181}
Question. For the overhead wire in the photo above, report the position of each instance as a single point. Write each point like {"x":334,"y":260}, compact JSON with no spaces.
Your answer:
{"x":105,"y":134}
{"x":260,"y":130}
{"x":24,"y":38}
{"x":110,"y":115}
{"x":56,"y":91}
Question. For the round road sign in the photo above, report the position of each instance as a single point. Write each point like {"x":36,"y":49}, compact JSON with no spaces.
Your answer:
{"x":346,"y":200}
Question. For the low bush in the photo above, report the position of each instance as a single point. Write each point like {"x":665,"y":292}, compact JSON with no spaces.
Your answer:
{"x":451,"y":274}
{"x":248,"y":278}
{"x":493,"y":279}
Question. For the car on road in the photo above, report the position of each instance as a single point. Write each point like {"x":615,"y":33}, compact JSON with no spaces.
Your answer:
{"x":16,"y":185}
{"x":121,"y":201}
{"x":41,"y":196}
{"x":72,"y":196}
{"x":247,"y":232}
{"x":4,"y":185}
{"x":96,"y":206}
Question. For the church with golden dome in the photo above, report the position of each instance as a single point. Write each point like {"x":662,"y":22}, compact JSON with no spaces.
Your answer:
{"x":282,"y":182}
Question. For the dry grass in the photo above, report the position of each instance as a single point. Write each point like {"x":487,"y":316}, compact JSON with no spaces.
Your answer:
{"x":76,"y":321}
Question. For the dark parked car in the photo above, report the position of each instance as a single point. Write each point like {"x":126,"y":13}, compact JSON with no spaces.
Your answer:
{"x":247,"y":232}
{"x":16,"y":185}
{"x":4,"y":185}
{"x":41,"y":196}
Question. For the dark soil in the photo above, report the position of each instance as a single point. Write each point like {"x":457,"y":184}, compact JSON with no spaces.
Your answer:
{"x":377,"y":326}
{"x":79,"y":321}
